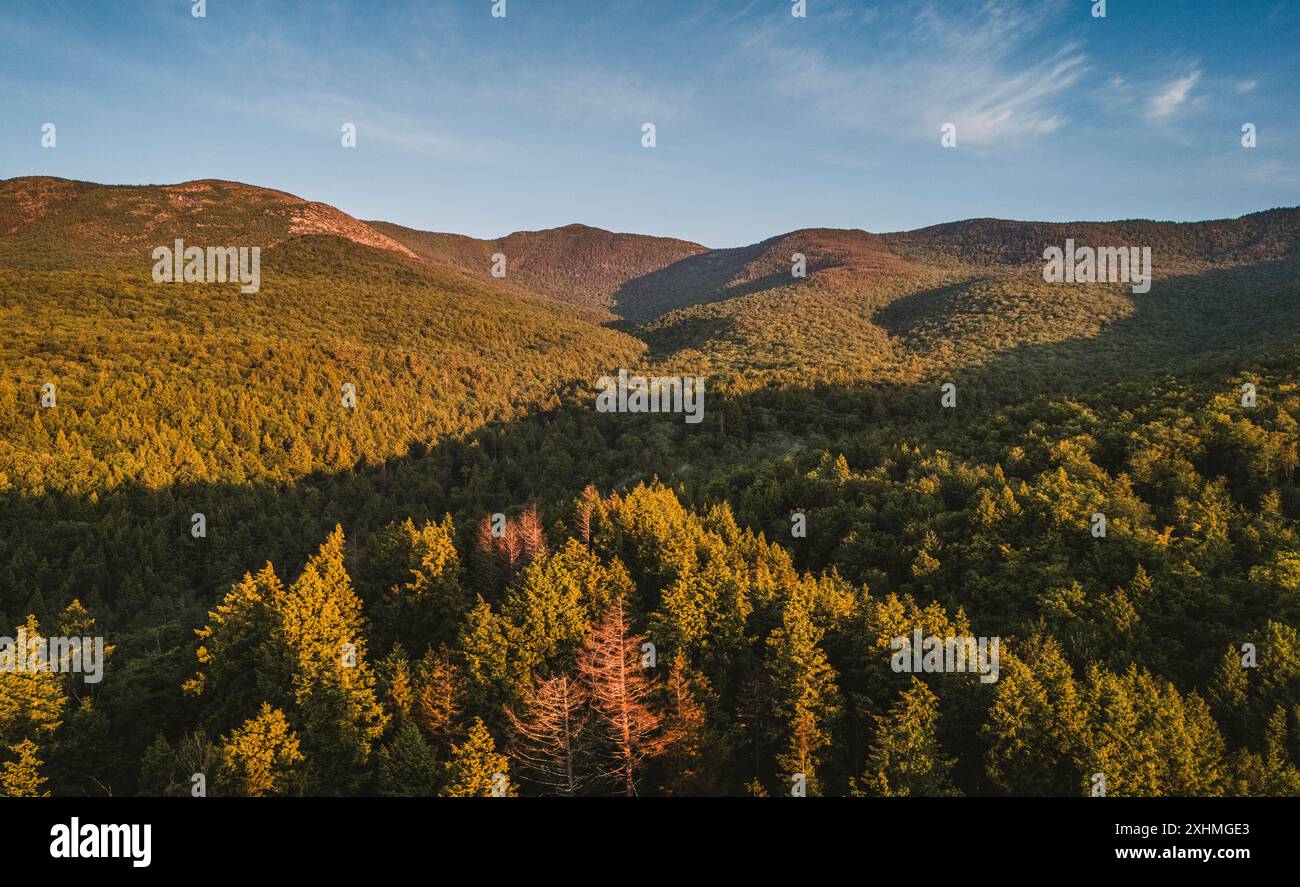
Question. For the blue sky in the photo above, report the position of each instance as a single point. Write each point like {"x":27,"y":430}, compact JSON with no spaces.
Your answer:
{"x":765,"y":122}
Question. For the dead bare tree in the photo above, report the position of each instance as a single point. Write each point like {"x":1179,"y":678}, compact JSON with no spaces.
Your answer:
{"x":586,"y":508}
{"x":550,"y":734}
{"x":486,"y":561}
{"x":532,"y":538}
{"x":610,"y":666}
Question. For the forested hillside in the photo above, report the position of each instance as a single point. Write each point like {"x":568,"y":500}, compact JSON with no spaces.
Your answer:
{"x":575,"y":264}
{"x":639,"y":617}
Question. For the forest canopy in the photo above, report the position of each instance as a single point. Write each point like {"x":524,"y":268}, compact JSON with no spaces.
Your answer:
{"x":470,"y":581}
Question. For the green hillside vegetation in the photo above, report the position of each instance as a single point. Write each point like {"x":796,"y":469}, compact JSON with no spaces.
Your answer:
{"x":926,"y":304}
{"x":468,"y":652}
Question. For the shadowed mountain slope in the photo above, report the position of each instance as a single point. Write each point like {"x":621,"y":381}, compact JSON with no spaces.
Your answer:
{"x":897,"y":306}
{"x":576,"y":264}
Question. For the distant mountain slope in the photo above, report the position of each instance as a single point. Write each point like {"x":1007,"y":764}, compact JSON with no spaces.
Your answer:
{"x":48,"y":223}
{"x":899,"y":306}
{"x":577,"y":264}
{"x":871,"y":307}
{"x":847,"y":258}
{"x":1258,"y":237}
{"x":853,"y":259}
{"x":256,"y":377}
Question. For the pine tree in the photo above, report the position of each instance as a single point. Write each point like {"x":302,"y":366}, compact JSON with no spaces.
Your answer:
{"x":301,"y":651}
{"x":160,"y":772}
{"x":407,"y":768}
{"x":339,"y":715}
{"x":439,"y":696}
{"x":905,"y":759}
{"x":261,"y":757}
{"x":396,"y":684}
{"x":1148,"y":739}
{"x":21,"y":777}
{"x":1281,"y":776}
{"x":76,"y":622}
{"x":429,"y":602}
{"x":1037,"y":727}
{"x":689,"y":767}
{"x":806,"y":698}
{"x":83,"y":747}
{"x":1228,"y":696}
{"x":32,"y":701}
{"x":476,"y":769}
{"x":492,"y":678}
{"x":240,"y":657}
{"x":549,"y":608}
{"x":610,"y":665}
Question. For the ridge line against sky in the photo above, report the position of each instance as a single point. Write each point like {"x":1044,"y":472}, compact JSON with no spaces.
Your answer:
{"x":765,"y":122}
{"x":489,"y":238}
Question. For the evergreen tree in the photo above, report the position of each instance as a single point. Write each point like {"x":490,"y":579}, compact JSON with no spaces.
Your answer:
{"x":428,"y":602}
{"x":806,"y":699}
{"x":304,"y":649}
{"x":691,"y":763}
{"x":439,"y":698}
{"x":261,"y":757}
{"x":241,"y":663}
{"x":396,"y":684}
{"x":159,"y":771}
{"x":492,"y":678}
{"x":334,"y":689}
{"x":407,"y":768}
{"x":476,"y":769}
{"x":1037,"y":727}
{"x":905,"y":759}
{"x":20,"y":777}
{"x":33,"y":702}
{"x":1281,"y":776}
{"x":1149,"y":740}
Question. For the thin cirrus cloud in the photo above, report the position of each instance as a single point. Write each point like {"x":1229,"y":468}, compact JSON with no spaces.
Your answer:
{"x":1172,"y":96}
{"x":992,"y":74}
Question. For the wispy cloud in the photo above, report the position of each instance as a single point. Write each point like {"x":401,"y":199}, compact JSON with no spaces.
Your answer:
{"x":990,"y":71}
{"x":1172,"y":96}
{"x":323,"y":113}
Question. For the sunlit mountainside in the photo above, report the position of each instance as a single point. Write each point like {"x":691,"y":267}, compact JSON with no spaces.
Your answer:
{"x":129,"y":406}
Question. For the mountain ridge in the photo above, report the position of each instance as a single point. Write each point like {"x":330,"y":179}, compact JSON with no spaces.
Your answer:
{"x":867,"y":303}
{"x":540,"y":257}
